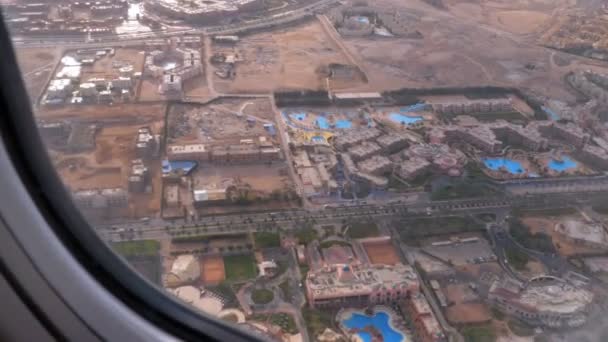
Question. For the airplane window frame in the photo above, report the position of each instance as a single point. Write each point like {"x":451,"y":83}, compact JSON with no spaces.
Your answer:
{"x":28,"y":156}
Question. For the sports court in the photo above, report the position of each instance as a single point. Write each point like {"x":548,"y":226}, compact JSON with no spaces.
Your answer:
{"x":381,"y":253}
{"x":212,"y":270}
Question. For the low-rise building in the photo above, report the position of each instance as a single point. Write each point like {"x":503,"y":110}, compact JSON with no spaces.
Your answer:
{"x":481,"y":137}
{"x":353,"y":137}
{"x":101,"y":198}
{"x":543,"y":301}
{"x":413,"y":167}
{"x":359,"y":285}
{"x":595,"y":156}
{"x":392,"y":143}
{"x":188,"y":152}
{"x":364,"y":150}
{"x":376,"y":165}
{"x":209,"y":196}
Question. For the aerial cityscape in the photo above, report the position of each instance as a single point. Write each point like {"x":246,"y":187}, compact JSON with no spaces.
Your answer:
{"x":354,"y":170}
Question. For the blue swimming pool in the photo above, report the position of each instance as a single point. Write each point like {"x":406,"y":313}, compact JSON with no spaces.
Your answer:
{"x":184,"y":165}
{"x":413,"y":108}
{"x":362,"y":19}
{"x":404,"y":119}
{"x":552,"y":115}
{"x":380,"y":321}
{"x":343,"y":124}
{"x":562,"y":165}
{"x":322,"y":122}
{"x":514,"y":167}
{"x":298,"y":116}
{"x":318,"y":138}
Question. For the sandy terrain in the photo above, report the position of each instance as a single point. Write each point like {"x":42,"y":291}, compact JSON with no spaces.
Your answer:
{"x":108,"y":165}
{"x":381,"y":253}
{"x":135,"y":113}
{"x":212,"y":270}
{"x":465,"y":48}
{"x":37,"y":65}
{"x":261,"y":177}
{"x":545,"y":225}
{"x":284,"y":59}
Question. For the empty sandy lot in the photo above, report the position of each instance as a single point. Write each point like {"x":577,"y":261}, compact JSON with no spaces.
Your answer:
{"x":283,"y":59}
{"x":37,"y":65}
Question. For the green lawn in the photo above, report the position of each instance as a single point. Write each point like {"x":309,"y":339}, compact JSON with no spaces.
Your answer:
{"x":239,"y":267}
{"x":517,"y":258}
{"x":425,"y":227}
{"x":136,"y":248}
{"x":267,"y":239}
{"x":483,"y":333}
{"x":520,"y":328}
{"x":306,"y":235}
{"x":284,"y":286}
{"x":262,"y":296}
{"x":360,"y":230}
{"x":316,"y":320}
{"x":285,"y":321}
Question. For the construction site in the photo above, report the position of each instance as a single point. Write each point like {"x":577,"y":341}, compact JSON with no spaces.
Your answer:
{"x":104,"y":151}
{"x":237,"y":158}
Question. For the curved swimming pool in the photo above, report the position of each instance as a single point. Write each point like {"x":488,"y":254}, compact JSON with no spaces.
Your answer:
{"x":380,"y":321}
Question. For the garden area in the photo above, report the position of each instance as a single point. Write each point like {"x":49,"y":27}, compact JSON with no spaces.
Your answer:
{"x":266,"y":239}
{"x":537,"y":241}
{"x":483,"y":333}
{"x":239,"y":267}
{"x":360,"y":230}
{"x":306,"y":235}
{"x":136,"y":248}
{"x":430,"y":226}
{"x":285,"y":321}
{"x":317,"y":321}
{"x":262,"y":296}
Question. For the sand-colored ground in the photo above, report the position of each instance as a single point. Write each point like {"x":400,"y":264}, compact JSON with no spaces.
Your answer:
{"x":547,"y":225}
{"x":124,"y":112}
{"x":469,"y":313}
{"x":260,"y":176}
{"x":212,"y":270}
{"x":381,"y":253}
{"x":108,"y":165}
{"x":521,"y":22}
{"x":284,"y":59}
{"x":37,"y":65}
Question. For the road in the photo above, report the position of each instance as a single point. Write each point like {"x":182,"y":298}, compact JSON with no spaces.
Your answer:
{"x":137,"y":38}
{"x":287,"y":219}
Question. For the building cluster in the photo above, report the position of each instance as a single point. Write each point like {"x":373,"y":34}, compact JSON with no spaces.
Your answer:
{"x":548,"y":301}
{"x":493,"y":137}
{"x":315,"y":168}
{"x":50,"y":18}
{"x":188,"y":64}
{"x":422,"y":158}
{"x":247,"y":151}
{"x":146,"y":147}
{"x":67,"y":85}
{"x":100,"y":199}
{"x":195,"y":10}
{"x":343,"y":285}
{"x":475,"y":107}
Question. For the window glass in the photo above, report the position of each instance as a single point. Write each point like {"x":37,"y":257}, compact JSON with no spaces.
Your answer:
{"x":320,"y":170}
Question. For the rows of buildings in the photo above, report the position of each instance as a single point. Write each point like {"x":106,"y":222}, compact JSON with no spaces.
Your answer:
{"x":245,"y":152}
{"x":195,"y":10}
{"x":187,"y":65}
{"x":69,"y":86}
